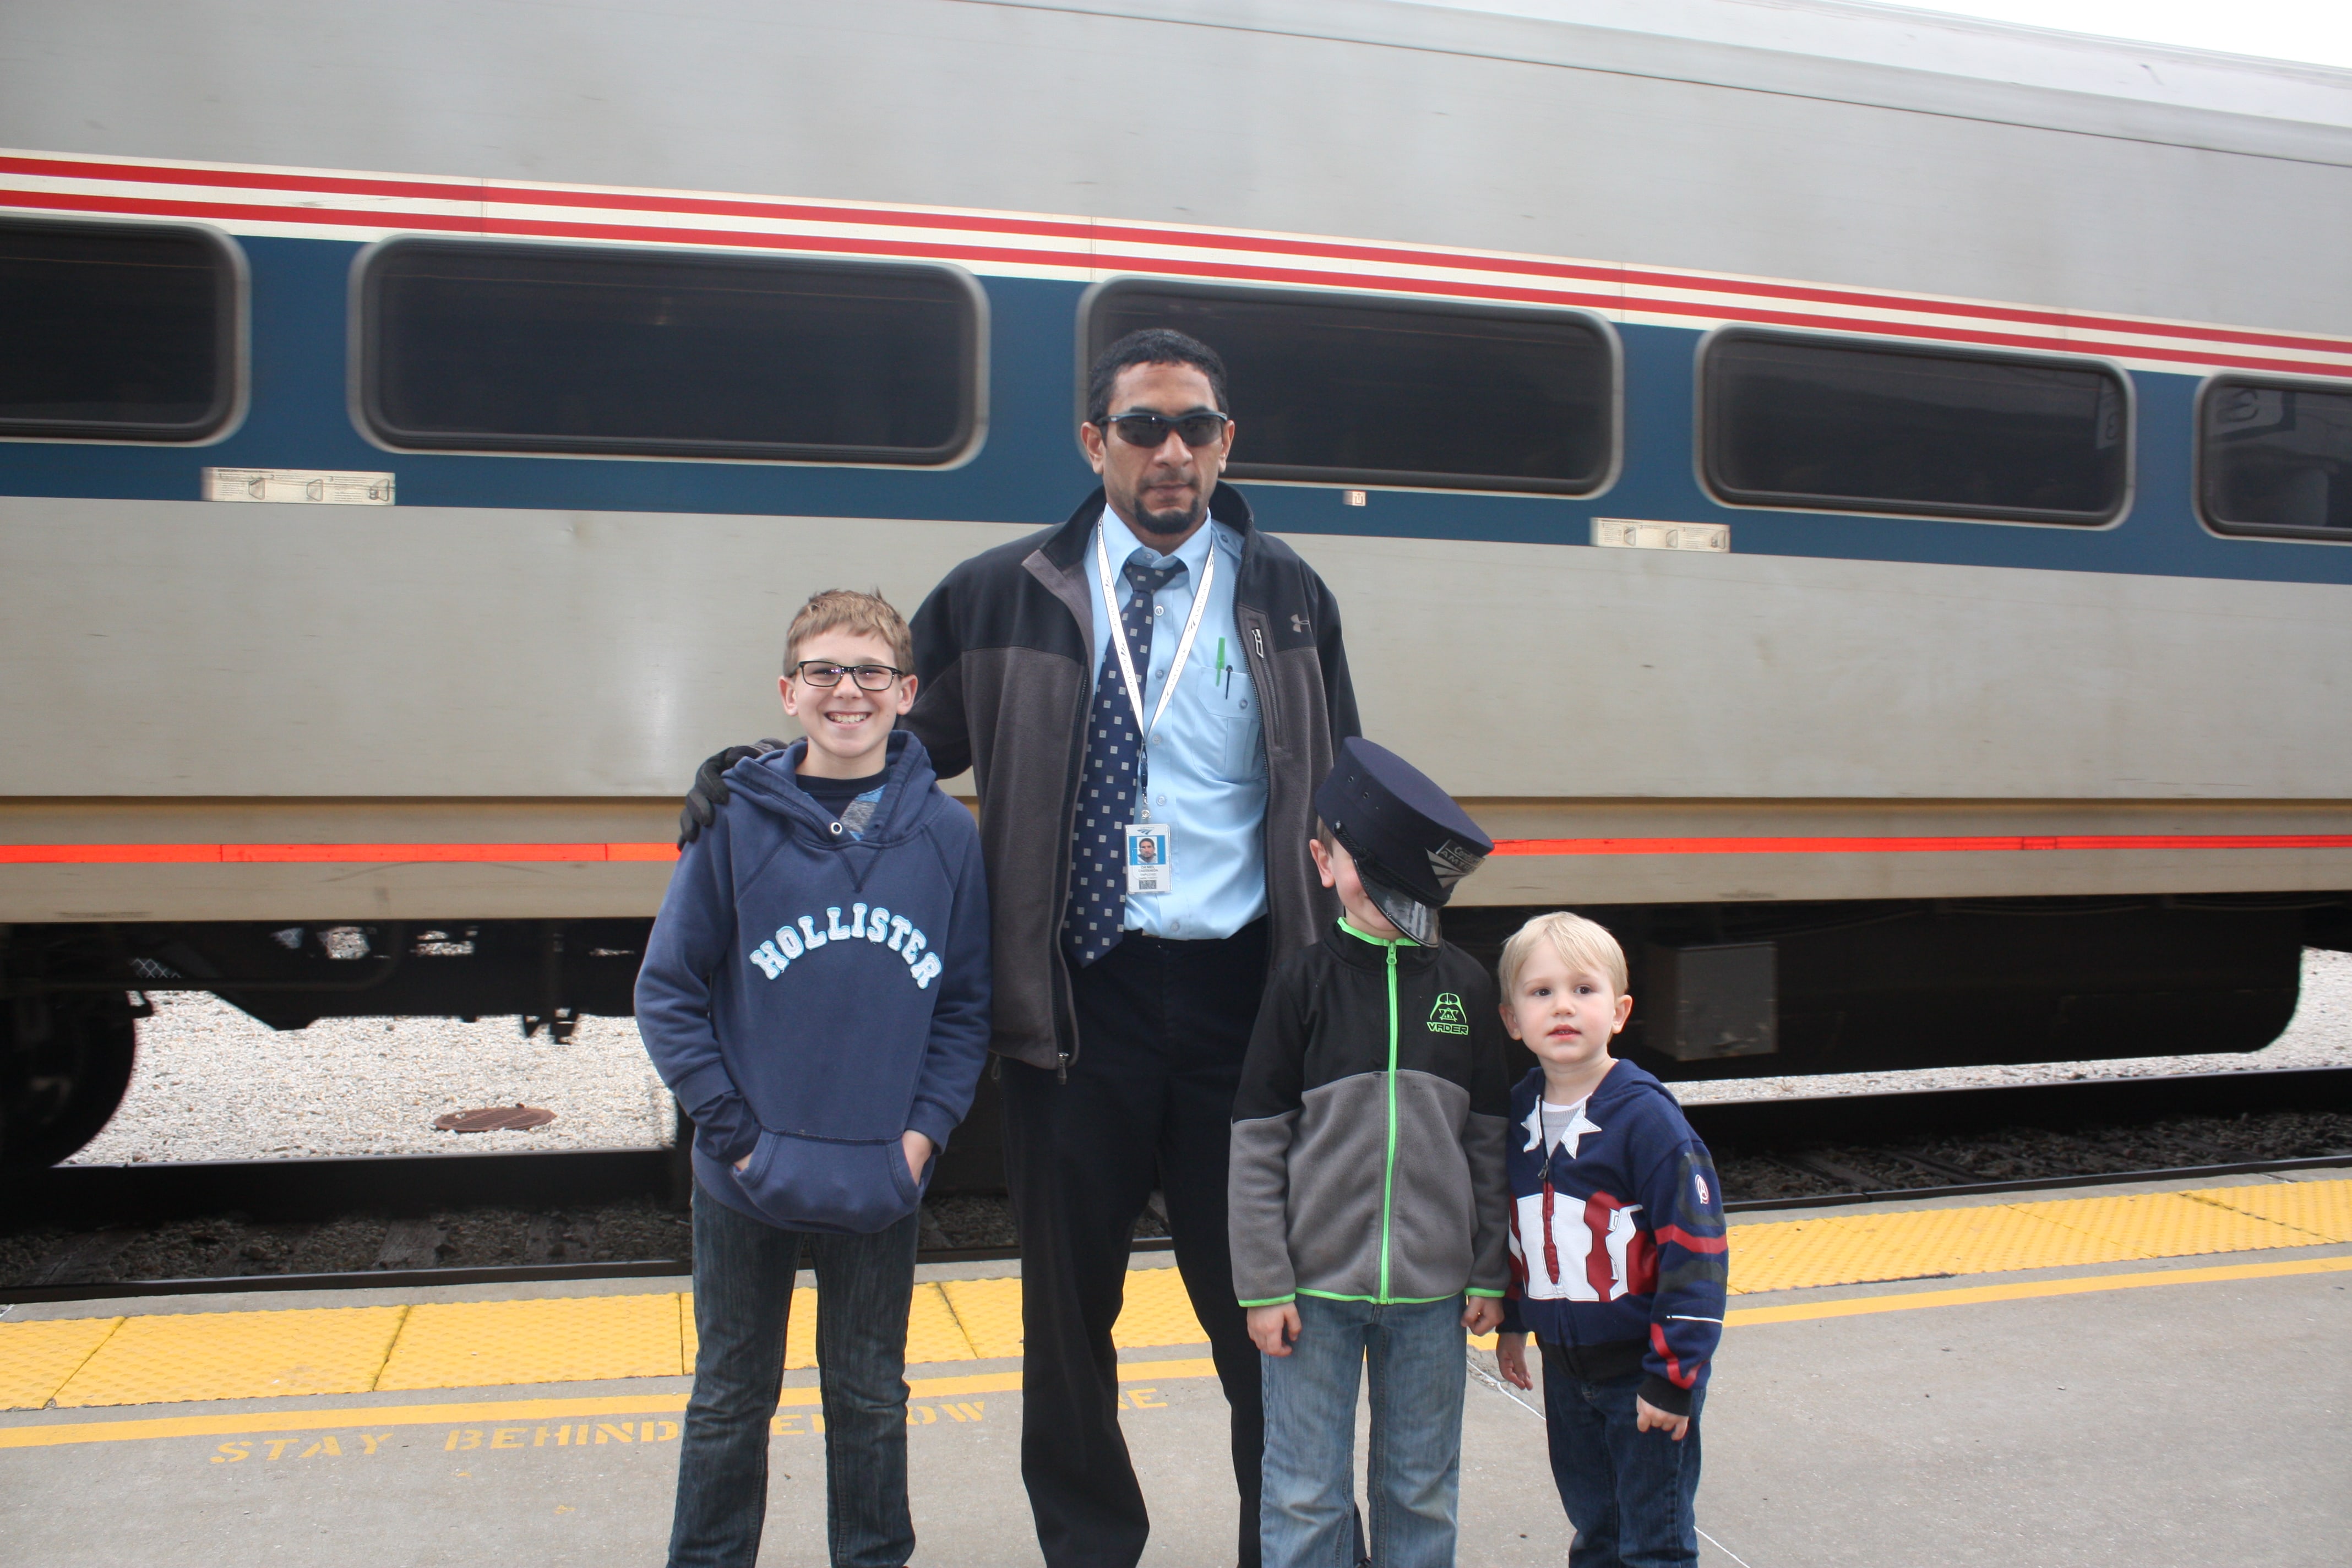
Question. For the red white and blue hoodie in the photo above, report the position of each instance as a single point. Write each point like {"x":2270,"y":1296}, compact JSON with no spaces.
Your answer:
{"x":1618,"y":1251}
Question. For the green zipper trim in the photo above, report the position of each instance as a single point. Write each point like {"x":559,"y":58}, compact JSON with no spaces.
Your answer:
{"x":1272,"y":1301}
{"x":1377,"y":1300}
{"x":1387,"y":1176}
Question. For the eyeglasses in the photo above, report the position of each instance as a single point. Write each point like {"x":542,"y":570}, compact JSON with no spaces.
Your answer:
{"x":1152,"y":430}
{"x":869,"y":677}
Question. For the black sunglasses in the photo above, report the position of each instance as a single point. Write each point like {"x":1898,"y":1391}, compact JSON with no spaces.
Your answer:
{"x":1152,"y":430}
{"x":869,"y":677}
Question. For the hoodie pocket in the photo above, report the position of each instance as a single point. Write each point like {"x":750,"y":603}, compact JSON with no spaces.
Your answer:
{"x":820,"y":1184}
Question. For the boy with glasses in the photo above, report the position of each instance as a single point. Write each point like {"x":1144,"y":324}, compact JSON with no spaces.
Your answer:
{"x":1155,"y":639}
{"x":816,"y":993}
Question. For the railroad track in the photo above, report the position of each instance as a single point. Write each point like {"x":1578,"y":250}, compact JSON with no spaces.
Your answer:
{"x":568,"y":1215}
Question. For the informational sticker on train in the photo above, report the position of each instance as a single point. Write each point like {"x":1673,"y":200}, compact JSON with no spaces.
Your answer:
{"x":1634,"y":533}
{"x":312,"y":486}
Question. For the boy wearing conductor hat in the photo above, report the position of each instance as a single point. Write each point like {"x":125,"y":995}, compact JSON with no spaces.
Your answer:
{"x":1368,"y":1202}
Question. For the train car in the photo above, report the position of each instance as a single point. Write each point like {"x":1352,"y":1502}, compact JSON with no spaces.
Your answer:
{"x":1873,"y":534}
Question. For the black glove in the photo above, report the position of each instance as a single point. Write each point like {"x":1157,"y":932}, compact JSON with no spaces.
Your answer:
{"x":711,"y":792}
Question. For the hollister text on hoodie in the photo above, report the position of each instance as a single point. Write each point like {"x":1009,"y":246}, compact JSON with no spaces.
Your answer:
{"x":1618,"y":1247}
{"x":810,"y":995}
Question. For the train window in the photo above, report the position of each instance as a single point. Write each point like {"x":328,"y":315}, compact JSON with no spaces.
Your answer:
{"x":1359,"y":390}
{"x":485,"y":347}
{"x":1840,"y":425}
{"x":2275,"y":458}
{"x":118,"y":331}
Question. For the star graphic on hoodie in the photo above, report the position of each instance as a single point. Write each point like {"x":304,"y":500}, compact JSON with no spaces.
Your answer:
{"x":1570,"y":1137}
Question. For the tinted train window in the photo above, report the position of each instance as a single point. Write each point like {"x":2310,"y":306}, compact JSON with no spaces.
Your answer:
{"x":479,"y":347}
{"x":2276,"y":459}
{"x":1848,"y":427}
{"x":117,"y":331}
{"x":1343,"y":389}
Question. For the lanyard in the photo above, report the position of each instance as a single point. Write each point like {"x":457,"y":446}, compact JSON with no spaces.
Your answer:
{"x":1127,"y":660}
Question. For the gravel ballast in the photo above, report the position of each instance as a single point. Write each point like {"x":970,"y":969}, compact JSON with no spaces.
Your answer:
{"x":213,"y":1084}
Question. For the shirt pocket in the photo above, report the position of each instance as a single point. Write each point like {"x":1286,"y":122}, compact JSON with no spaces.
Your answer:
{"x":1242,"y":744}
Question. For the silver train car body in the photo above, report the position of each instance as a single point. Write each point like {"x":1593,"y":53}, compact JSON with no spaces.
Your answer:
{"x":1839,"y":775}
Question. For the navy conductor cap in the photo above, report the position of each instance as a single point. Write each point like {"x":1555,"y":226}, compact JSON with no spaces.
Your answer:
{"x":1410,"y":842}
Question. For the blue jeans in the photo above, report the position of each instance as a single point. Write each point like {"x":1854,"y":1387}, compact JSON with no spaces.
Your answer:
{"x":1628,"y":1492}
{"x":1308,"y":1517}
{"x":743,"y":1270}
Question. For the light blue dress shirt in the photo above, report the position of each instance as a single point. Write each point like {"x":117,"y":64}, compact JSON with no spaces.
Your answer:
{"x":1206,"y":761}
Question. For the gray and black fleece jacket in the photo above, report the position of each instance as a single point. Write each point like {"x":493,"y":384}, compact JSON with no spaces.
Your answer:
{"x":1006,"y":648}
{"x":1369,"y":1128}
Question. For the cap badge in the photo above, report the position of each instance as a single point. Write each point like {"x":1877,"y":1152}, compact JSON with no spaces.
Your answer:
{"x":1452,"y":863}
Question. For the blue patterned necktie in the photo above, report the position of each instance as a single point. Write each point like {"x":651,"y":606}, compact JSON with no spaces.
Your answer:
{"x":1114,"y":779}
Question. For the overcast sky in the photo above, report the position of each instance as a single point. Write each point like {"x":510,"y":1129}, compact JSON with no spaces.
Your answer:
{"x":2319,"y":31}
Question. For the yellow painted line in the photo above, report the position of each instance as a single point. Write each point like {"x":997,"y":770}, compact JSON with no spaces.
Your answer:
{"x":2026,"y":1290}
{"x":483,"y":1412}
{"x":59,"y":1434}
{"x":165,"y":1358}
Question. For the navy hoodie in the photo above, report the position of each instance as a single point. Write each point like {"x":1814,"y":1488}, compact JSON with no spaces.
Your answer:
{"x":1618,"y":1247}
{"x":810,"y":995}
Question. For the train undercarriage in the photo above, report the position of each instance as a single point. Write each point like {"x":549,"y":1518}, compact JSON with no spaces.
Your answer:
{"x":1722,"y":990}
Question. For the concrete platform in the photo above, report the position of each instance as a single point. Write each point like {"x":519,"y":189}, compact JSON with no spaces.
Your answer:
{"x":2136,"y":1376}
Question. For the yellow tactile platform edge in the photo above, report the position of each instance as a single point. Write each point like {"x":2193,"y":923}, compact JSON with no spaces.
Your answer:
{"x":170,"y":1358}
{"x":1997,"y":1239}
{"x":36,"y":1359}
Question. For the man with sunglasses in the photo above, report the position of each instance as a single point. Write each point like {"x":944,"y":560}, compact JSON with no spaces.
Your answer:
{"x":1153,"y":671}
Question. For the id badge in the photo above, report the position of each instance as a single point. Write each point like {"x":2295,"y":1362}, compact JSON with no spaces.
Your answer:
{"x":1147,"y":859}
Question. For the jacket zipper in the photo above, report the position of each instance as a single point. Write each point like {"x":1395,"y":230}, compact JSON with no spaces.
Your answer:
{"x":1066,"y":1048}
{"x":1551,"y":1246}
{"x":1388,"y":1177}
{"x":1262,"y":681}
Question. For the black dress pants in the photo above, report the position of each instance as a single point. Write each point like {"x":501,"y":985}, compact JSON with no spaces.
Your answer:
{"x":1148,"y":1102}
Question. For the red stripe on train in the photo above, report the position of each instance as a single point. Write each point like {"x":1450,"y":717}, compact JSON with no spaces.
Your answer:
{"x":495,"y":193}
{"x":1164,"y":266}
{"x":313,"y":854}
{"x":579,"y":853}
{"x":1923,"y":845}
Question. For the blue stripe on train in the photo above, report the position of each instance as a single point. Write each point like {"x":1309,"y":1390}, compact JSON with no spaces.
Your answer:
{"x":1029,"y":470}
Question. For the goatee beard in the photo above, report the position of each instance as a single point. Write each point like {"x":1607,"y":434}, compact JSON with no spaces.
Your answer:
{"x":1169,"y":521}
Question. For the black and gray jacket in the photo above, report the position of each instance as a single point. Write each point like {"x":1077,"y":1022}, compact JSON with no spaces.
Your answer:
{"x":1368,"y":1131}
{"x":1004,"y":645}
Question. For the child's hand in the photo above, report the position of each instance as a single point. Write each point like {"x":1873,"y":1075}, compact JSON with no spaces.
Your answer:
{"x":918,"y":1148}
{"x":1511,"y":1356}
{"x":1482,"y":1316}
{"x":1648,"y":1418}
{"x":1272,"y":1328}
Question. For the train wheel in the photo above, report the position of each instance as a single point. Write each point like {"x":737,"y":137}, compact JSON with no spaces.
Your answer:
{"x":64,"y":1068}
